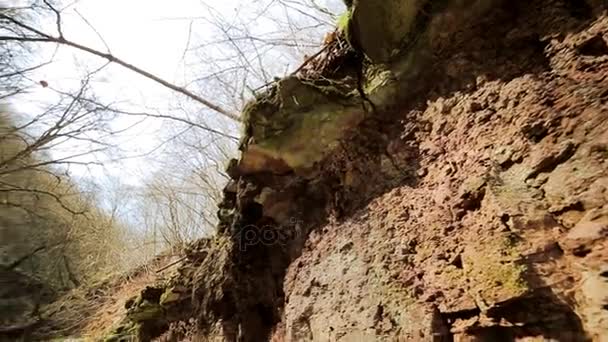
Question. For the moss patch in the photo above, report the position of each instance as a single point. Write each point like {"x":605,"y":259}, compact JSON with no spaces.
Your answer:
{"x":169,"y":296}
{"x":126,"y":332}
{"x":494,"y":271}
{"x":145,"y":311}
{"x":343,"y":25}
{"x":343,"y":21}
{"x":297,"y":124}
{"x":380,"y":27}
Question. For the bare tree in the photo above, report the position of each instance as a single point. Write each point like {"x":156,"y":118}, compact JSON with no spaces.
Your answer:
{"x":255,"y":44}
{"x":260,"y":41}
{"x":247,"y":50}
{"x":16,"y":29}
{"x":39,"y":194}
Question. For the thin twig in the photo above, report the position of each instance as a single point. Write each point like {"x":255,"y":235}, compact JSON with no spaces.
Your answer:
{"x":46,"y":38}
{"x":310,"y":59}
{"x":57,"y":16}
{"x":94,"y":30}
{"x":172,"y":264}
{"x":306,"y":62}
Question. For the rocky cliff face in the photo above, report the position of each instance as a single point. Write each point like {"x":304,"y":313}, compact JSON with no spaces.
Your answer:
{"x":439,"y":173}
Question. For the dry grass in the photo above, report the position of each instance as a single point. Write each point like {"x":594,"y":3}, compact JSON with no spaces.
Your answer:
{"x":111,"y":308}
{"x":90,"y":312}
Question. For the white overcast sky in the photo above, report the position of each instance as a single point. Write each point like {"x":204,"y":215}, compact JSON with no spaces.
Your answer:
{"x":150,"y":34}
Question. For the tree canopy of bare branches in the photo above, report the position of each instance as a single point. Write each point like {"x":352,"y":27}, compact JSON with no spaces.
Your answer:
{"x":14,"y":28}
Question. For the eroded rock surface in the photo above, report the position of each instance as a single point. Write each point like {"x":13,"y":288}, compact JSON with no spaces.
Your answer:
{"x":449,"y":184}
{"x":504,"y":235}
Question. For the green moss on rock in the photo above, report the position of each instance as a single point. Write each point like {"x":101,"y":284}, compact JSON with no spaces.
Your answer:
{"x":297,"y":124}
{"x":380,"y":27}
{"x":126,"y":332}
{"x":169,"y":296}
{"x":343,"y":21}
{"x":494,"y":270}
{"x":145,"y":311}
{"x":343,"y":25}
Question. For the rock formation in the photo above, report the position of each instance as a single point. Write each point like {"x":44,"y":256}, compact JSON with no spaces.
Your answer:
{"x":438,"y":173}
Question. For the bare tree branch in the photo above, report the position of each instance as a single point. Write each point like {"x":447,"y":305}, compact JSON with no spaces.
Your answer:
{"x":46,"y":38}
{"x":94,"y":30}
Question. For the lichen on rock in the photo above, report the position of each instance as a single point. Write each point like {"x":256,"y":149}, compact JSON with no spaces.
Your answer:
{"x":297,"y":124}
{"x":494,"y":271}
{"x":381,"y":28}
{"x":127,"y":332}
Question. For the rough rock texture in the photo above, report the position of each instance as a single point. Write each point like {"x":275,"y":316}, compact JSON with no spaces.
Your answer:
{"x":457,"y":191}
{"x":503,"y":234}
